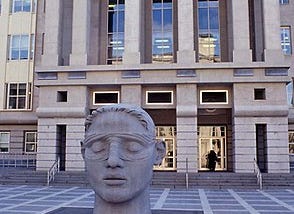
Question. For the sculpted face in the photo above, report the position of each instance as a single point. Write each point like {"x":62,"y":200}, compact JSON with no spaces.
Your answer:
{"x":119,"y":156}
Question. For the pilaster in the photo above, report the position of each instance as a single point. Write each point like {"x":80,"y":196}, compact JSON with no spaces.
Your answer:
{"x":132,"y":55}
{"x":186,"y":52}
{"x":80,"y":32}
{"x":187,"y":142}
{"x":241,"y":36}
{"x":271,"y":13}
{"x":52,"y":40}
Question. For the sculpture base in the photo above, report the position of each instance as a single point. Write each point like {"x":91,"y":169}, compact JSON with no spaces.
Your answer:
{"x":76,"y":210}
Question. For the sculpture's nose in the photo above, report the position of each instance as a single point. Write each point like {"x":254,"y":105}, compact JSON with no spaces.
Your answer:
{"x":114,"y":159}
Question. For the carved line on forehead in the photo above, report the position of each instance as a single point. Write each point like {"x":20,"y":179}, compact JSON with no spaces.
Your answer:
{"x":134,"y":111}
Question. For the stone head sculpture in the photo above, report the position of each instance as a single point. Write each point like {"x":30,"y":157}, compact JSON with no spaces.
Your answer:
{"x":120,"y":150}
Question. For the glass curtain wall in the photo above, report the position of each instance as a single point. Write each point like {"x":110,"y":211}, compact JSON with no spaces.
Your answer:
{"x":162,"y":31}
{"x":116,"y":21}
{"x":208,"y":31}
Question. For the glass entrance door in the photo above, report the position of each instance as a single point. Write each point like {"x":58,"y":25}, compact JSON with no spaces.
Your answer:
{"x":168,"y":135}
{"x":212,"y":138}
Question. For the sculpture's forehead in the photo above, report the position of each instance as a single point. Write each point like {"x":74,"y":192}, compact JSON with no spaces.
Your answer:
{"x":116,"y":122}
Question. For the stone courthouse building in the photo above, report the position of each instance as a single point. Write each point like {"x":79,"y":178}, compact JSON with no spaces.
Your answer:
{"x":213,"y":74}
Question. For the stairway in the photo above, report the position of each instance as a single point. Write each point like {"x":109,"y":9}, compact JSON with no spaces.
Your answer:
{"x":10,"y":176}
{"x":207,"y":180}
{"x":211,"y":180}
{"x":71,"y":178}
{"x":278,"y":180}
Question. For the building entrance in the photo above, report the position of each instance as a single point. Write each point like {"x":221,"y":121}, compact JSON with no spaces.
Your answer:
{"x":212,"y":138}
{"x":168,"y":135}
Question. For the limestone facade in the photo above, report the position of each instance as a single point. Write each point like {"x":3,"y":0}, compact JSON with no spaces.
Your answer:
{"x":215,"y":84}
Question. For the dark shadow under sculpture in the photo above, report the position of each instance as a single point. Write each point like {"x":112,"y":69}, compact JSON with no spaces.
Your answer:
{"x":120,"y":150}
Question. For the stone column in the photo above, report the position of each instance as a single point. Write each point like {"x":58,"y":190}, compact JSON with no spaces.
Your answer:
{"x":186,"y":52}
{"x":80,"y":32}
{"x":271,"y":16}
{"x":187,"y":142}
{"x":52,"y":40}
{"x":133,"y":22}
{"x":241,"y":36}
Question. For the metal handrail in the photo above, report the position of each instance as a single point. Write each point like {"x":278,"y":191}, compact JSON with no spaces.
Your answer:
{"x":187,"y":175}
{"x":258,"y":174}
{"x":52,"y":171}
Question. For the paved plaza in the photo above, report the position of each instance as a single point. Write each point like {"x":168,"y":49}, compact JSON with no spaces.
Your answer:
{"x":42,"y":199}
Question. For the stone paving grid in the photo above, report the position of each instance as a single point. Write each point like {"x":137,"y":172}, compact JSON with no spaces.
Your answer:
{"x":41,"y":200}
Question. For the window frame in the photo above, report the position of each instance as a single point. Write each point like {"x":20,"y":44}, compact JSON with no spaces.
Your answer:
{"x":106,"y":92}
{"x":158,"y":91}
{"x":284,"y":29}
{"x":17,"y":96}
{"x":32,"y":5}
{"x":34,"y":143}
{"x":111,"y":47}
{"x":8,"y":143}
{"x":162,"y":32}
{"x":16,"y":45}
{"x":283,"y":2}
{"x":290,"y":142}
{"x":214,"y":103}
{"x":209,"y":58}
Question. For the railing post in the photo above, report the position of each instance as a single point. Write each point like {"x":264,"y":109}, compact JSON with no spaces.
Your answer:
{"x":27,"y":160}
{"x":187,"y":175}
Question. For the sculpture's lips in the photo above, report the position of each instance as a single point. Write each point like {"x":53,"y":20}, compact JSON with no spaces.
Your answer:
{"x":114,"y":180}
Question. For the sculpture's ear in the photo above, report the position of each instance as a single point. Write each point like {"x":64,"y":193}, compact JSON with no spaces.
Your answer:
{"x":82,"y":149}
{"x":160,"y":152}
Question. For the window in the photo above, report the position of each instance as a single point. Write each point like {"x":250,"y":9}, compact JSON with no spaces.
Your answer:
{"x":18,"y":95}
{"x":30,"y":142}
{"x":289,"y":89}
{"x":159,"y":97}
{"x":208,"y":31}
{"x":286,"y":40}
{"x":213,"y":97}
{"x":47,"y":76}
{"x":61,"y":96}
{"x":162,"y":31}
{"x":77,"y":75}
{"x":116,"y":19}
{"x":21,"y":47}
{"x":259,"y":94}
{"x":23,"y":6}
{"x":168,"y":135}
{"x":291,"y":142}
{"x":4,"y":141}
{"x":105,"y":97}
{"x":284,"y":1}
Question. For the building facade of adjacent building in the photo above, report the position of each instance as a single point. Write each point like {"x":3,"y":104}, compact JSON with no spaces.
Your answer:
{"x":213,"y":75}
{"x":18,"y":121}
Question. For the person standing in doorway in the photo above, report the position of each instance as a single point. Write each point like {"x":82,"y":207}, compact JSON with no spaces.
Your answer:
{"x":211,"y":158}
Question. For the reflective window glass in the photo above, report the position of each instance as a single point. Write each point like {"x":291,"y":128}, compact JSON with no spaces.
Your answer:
{"x":116,"y":20}
{"x":162,"y":31}
{"x":20,"y":47}
{"x":23,"y":6}
{"x":4,"y":141}
{"x":208,"y":31}
{"x":286,"y":40}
